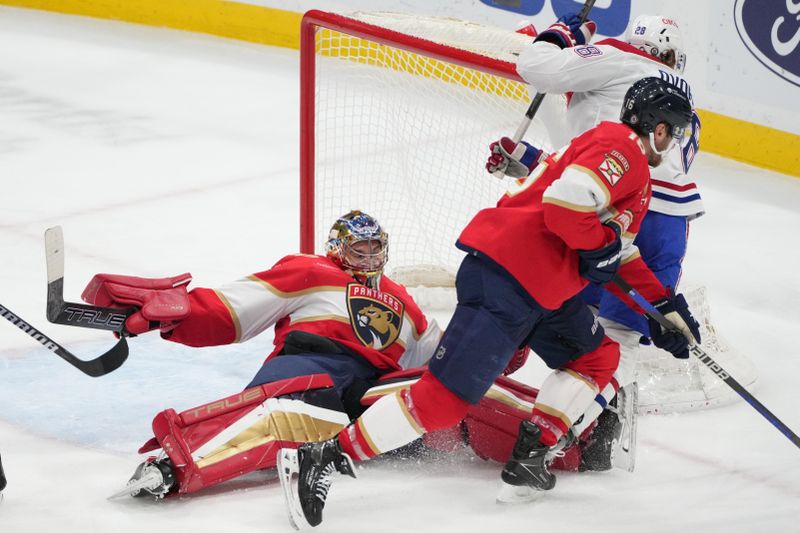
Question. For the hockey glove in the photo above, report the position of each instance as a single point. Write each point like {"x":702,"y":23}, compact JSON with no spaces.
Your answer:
{"x":161,"y":303}
{"x":569,"y":31}
{"x":687,"y":332}
{"x":601,"y":264}
{"x":515,"y":160}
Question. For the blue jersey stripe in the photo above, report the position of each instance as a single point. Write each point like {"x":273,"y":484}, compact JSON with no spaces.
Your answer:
{"x":676,"y":199}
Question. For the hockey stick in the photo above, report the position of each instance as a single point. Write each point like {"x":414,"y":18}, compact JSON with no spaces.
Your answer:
{"x":70,"y":313}
{"x":537,"y":100}
{"x":696,"y":350}
{"x":108,"y":362}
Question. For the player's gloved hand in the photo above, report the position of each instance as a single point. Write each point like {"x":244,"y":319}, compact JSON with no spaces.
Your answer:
{"x":687,"y":332}
{"x":515,"y":160}
{"x":601,"y":264}
{"x":517,"y":360}
{"x":160,"y":303}
{"x":568,"y":31}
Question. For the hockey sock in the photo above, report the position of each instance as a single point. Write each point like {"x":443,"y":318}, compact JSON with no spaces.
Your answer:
{"x":596,"y":407}
{"x":564,"y":396}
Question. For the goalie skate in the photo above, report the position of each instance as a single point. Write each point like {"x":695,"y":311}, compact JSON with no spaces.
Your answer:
{"x":154,"y":477}
{"x":627,"y":405}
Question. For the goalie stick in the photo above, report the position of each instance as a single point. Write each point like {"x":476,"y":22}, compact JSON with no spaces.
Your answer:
{"x":108,"y":362}
{"x":537,"y":100}
{"x":706,"y":359}
{"x":61,"y":312}
{"x":71,"y":313}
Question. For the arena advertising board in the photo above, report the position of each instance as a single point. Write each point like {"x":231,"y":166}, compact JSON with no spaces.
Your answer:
{"x":771,"y":32}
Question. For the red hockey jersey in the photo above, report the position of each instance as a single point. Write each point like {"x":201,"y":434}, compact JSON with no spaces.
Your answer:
{"x":310,"y":293}
{"x":535,"y":230}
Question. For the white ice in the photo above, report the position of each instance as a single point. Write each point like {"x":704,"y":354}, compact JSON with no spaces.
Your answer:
{"x":161,"y":152}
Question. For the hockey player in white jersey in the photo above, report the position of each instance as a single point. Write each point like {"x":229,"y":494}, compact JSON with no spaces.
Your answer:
{"x":595,"y":78}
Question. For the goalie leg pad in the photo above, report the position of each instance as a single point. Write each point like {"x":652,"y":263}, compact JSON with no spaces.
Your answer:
{"x":493,"y":423}
{"x":230,"y":437}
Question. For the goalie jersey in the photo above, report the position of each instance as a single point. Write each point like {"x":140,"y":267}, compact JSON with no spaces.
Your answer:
{"x":595,"y":78}
{"x":312,"y":294}
{"x":535,"y":230}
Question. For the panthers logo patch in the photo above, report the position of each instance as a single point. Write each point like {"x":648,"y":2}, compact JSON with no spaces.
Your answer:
{"x":376,"y":317}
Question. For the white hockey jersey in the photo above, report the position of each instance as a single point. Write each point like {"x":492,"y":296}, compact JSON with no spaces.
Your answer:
{"x":596,"y":78}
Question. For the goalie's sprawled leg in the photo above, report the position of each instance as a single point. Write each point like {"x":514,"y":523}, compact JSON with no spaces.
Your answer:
{"x":230,"y":437}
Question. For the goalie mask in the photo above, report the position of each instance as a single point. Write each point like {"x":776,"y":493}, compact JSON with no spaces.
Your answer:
{"x":660,"y":37}
{"x":358,"y":244}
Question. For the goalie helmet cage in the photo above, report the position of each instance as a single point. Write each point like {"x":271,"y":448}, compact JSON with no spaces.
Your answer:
{"x":397,"y":112}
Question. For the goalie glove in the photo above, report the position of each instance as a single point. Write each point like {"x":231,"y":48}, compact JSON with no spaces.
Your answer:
{"x":515,"y":160}
{"x":676,"y":310}
{"x":161,"y":303}
{"x":569,"y":31}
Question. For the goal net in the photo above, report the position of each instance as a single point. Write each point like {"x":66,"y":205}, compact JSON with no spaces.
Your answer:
{"x":397,"y":112}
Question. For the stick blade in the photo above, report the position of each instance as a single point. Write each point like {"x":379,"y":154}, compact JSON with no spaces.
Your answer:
{"x":54,"y":253}
{"x":101,"y":365}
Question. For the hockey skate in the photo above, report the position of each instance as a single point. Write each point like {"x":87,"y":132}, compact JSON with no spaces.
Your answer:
{"x":613,"y":442}
{"x":306,"y":475}
{"x":525,"y":476}
{"x":154,"y":477}
{"x":2,"y":481}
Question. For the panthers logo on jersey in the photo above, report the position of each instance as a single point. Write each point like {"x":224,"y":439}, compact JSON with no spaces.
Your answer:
{"x":376,"y":317}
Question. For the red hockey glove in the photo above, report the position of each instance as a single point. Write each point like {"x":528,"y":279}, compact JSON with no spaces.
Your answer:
{"x":517,"y":360}
{"x":515,"y":160}
{"x":676,"y":310}
{"x":162,"y":302}
{"x":569,"y":31}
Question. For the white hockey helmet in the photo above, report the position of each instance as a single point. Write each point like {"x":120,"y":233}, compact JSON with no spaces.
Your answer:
{"x":658,"y":36}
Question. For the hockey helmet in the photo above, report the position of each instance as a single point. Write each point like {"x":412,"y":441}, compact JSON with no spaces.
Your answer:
{"x":658,"y":36}
{"x":651,"y":101}
{"x":366,"y":262}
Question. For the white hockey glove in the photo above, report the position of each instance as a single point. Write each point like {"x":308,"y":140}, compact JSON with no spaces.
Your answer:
{"x":515,"y":160}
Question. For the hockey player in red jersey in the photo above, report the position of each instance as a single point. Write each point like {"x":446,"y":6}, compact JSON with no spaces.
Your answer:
{"x":339,"y":324}
{"x":596,"y":76}
{"x":569,"y":222}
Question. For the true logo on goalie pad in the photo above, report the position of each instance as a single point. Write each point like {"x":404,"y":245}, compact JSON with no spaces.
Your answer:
{"x":376,"y":316}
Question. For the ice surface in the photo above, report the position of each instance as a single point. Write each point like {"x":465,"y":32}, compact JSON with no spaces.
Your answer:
{"x":161,"y":152}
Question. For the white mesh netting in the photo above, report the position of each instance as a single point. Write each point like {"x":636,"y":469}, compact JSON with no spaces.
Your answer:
{"x":405,"y":137}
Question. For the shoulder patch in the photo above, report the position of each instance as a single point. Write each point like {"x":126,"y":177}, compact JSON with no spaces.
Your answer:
{"x":587,"y":51}
{"x":613,"y":167}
